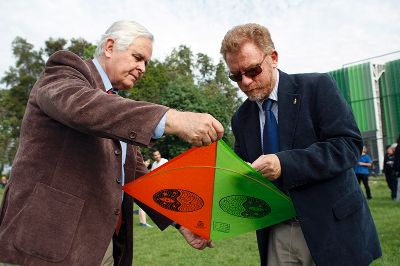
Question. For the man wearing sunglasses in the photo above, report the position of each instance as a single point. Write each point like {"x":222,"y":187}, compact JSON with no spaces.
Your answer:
{"x":299,"y":132}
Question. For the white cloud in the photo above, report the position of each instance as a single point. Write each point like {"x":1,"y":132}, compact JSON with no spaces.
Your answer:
{"x":309,"y":35}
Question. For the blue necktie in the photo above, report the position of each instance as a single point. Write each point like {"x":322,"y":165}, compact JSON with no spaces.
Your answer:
{"x":270,"y":134}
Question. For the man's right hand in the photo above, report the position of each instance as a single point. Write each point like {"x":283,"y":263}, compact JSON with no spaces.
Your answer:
{"x":194,"y":240}
{"x":269,"y":166}
{"x":198,"y":129}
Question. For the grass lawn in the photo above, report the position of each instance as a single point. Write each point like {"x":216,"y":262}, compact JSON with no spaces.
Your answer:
{"x":153,"y":247}
{"x":386,"y":213}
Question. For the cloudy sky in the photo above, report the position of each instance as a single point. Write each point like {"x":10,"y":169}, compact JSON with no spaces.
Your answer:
{"x":309,"y":35}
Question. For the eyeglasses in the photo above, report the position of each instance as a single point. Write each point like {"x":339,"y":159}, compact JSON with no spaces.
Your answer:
{"x":251,"y":72}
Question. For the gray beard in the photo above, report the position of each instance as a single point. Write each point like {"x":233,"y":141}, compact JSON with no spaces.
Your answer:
{"x":256,"y":98}
{"x":259,"y":97}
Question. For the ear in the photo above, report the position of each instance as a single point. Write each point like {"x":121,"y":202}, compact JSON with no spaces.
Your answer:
{"x":109,"y":47}
{"x":274,"y":57}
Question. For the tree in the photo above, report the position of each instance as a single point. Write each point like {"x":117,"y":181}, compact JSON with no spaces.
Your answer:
{"x":174,"y":84}
{"x":150,"y":86}
{"x":179,"y":94}
{"x":180,"y":63}
{"x":82,"y":48}
{"x":7,"y":145}
{"x":205,"y":67}
{"x":19,"y":80}
{"x":54,"y":45}
{"x":78,"y":46}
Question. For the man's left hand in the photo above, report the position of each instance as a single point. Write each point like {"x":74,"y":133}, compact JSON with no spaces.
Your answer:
{"x":268,"y":165}
{"x":194,"y":240}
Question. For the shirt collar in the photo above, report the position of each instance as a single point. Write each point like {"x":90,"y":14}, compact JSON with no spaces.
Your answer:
{"x":274,"y":93}
{"x":103,"y":75}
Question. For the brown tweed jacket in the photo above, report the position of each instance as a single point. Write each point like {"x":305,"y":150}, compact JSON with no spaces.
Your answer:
{"x":64,"y":195}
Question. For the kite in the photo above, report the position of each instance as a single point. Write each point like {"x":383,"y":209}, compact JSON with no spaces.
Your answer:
{"x":212,"y":192}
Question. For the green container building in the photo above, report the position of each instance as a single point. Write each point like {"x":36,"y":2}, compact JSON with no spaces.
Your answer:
{"x":389,"y":85}
{"x":373,"y":92}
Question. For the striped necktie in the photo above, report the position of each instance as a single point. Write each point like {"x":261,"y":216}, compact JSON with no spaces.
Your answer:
{"x":112,"y":91}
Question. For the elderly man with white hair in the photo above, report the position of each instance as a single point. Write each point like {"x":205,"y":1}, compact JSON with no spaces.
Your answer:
{"x":79,"y":144}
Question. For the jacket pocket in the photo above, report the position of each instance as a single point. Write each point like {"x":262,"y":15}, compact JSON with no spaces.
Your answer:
{"x":47,"y":224}
{"x":348,"y":205}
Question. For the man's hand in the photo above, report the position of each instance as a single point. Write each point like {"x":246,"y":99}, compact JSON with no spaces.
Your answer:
{"x":268,"y":165}
{"x":194,"y":240}
{"x":195,"y":128}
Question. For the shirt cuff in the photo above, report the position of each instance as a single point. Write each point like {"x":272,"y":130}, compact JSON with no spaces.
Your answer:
{"x":159,"y":130}
{"x":177,"y":226}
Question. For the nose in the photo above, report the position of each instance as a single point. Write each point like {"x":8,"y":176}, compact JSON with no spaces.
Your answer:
{"x":141,"y":66}
{"x":246,"y":80}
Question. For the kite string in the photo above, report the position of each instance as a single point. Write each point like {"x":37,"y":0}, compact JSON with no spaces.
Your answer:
{"x":225,"y":169}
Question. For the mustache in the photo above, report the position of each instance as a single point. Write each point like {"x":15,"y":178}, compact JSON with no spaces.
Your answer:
{"x":254,"y":87}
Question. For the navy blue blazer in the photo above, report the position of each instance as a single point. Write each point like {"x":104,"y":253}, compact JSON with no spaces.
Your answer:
{"x":319,"y":144}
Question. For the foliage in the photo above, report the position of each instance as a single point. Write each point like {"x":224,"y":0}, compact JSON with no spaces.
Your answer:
{"x":19,"y":80}
{"x":174,"y":83}
{"x":78,"y":46}
{"x":180,"y":63}
{"x":54,"y":45}
{"x":82,"y":48}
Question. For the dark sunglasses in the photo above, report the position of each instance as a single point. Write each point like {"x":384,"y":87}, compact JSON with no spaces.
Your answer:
{"x":251,"y":72}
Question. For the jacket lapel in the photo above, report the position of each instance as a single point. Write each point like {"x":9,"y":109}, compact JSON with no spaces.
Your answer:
{"x":252,"y":135}
{"x":289,"y":102}
{"x":96,"y":75}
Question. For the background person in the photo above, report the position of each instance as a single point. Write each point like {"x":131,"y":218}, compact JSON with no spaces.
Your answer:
{"x":362,"y":171}
{"x":390,"y":176}
{"x":299,"y":132}
{"x":78,"y":146}
{"x":158,"y":160}
{"x":3,"y":182}
{"x":396,"y":167}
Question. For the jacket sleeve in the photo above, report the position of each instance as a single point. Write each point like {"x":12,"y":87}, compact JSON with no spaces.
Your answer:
{"x":337,"y":142}
{"x":66,"y":92}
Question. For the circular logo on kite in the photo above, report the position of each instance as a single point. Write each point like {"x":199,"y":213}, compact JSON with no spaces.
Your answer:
{"x":245,"y":206}
{"x":178,"y":200}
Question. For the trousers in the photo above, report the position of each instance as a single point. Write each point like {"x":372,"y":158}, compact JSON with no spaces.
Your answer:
{"x":287,"y":246}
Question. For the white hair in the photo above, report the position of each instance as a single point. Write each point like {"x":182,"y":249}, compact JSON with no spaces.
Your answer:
{"x":124,"y":34}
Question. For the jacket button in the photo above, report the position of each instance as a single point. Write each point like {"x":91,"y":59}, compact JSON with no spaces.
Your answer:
{"x":117,"y":152}
{"x":132,"y":135}
{"x":118,"y":180}
{"x":116,"y":211}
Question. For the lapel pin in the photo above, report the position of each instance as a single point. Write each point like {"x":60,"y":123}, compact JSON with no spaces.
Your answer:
{"x":295,"y":100}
